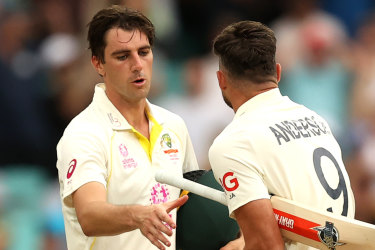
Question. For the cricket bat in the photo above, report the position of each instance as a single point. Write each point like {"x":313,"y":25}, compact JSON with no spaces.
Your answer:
{"x":297,"y":222}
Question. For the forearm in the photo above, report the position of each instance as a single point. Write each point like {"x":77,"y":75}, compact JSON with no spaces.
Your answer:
{"x":258,"y":225}
{"x":97,"y":217}
{"x":103,"y":219}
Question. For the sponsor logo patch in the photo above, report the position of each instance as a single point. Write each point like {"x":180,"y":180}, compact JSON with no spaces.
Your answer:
{"x":127,"y":162}
{"x":167,"y":144}
{"x":229,"y":182}
{"x":72,"y":167}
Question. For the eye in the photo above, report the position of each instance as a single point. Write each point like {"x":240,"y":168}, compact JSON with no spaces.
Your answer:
{"x":144,"y":52}
{"x":122,"y":58}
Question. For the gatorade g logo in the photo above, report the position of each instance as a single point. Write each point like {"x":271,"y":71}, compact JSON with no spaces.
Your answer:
{"x":72,"y":167}
{"x":230,"y":183}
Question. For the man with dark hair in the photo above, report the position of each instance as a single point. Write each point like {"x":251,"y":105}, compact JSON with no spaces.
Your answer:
{"x":109,"y":153}
{"x":273,"y":146}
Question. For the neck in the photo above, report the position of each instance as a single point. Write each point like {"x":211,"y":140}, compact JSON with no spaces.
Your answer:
{"x":243,"y":96}
{"x":134,"y":113}
{"x":137,"y":117}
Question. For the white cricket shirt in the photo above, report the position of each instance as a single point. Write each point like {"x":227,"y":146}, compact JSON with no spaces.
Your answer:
{"x":99,"y":145}
{"x":275,"y":146}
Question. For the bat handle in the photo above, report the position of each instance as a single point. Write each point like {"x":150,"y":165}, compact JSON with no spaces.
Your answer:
{"x":169,"y":178}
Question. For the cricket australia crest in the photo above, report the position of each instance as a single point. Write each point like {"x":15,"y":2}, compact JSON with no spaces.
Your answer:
{"x":166,"y":141}
{"x":329,"y":235}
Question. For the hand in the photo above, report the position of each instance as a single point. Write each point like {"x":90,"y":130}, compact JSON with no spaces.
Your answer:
{"x":237,"y":244}
{"x":154,"y":221}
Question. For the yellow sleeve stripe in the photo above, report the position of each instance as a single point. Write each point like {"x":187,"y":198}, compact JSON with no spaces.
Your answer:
{"x":92,"y":244}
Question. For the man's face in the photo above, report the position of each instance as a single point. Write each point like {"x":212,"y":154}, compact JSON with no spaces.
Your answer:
{"x":127,"y":69}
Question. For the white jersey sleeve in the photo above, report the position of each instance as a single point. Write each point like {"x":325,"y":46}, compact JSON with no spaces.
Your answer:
{"x":81,"y":159}
{"x":237,"y":170}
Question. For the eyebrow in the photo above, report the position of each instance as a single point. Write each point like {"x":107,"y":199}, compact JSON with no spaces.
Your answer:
{"x":117,"y":52}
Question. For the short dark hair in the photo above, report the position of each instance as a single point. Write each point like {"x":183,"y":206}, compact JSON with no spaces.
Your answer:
{"x":247,"y":50}
{"x":112,"y":17}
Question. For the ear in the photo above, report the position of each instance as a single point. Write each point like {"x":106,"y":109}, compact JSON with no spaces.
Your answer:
{"x":278,"y":72}
{"x":221,"y":79}
{"x":98,"y":65}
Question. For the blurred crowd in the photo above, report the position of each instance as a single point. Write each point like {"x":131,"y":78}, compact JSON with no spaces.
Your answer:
{"x":326,"y":49}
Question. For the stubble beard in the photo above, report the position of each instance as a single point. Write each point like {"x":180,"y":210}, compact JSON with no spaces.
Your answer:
{"x":226,"y":100}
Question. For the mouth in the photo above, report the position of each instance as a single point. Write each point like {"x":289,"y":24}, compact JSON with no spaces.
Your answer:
{"x":139,"y":81}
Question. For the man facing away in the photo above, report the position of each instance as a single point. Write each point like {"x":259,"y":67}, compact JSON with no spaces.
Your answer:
{"x":109,"y":153}
{"x":273,"y":146}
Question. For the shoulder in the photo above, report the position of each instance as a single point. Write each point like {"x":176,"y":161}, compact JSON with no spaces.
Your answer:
{"x":166,"y":117}
{"x":86,"y":125}
{"x":233,"y":134}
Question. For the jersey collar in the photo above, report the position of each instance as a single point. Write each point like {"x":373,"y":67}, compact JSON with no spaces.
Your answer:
{"x":258,"y":102}
{"x":113,"y":116}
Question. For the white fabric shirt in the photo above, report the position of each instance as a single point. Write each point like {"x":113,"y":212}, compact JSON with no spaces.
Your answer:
{"x":99,"y":145}
{"x":275,"y":146}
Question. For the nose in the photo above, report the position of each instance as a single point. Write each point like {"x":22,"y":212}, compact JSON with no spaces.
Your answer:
{"x":136,"y":64}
